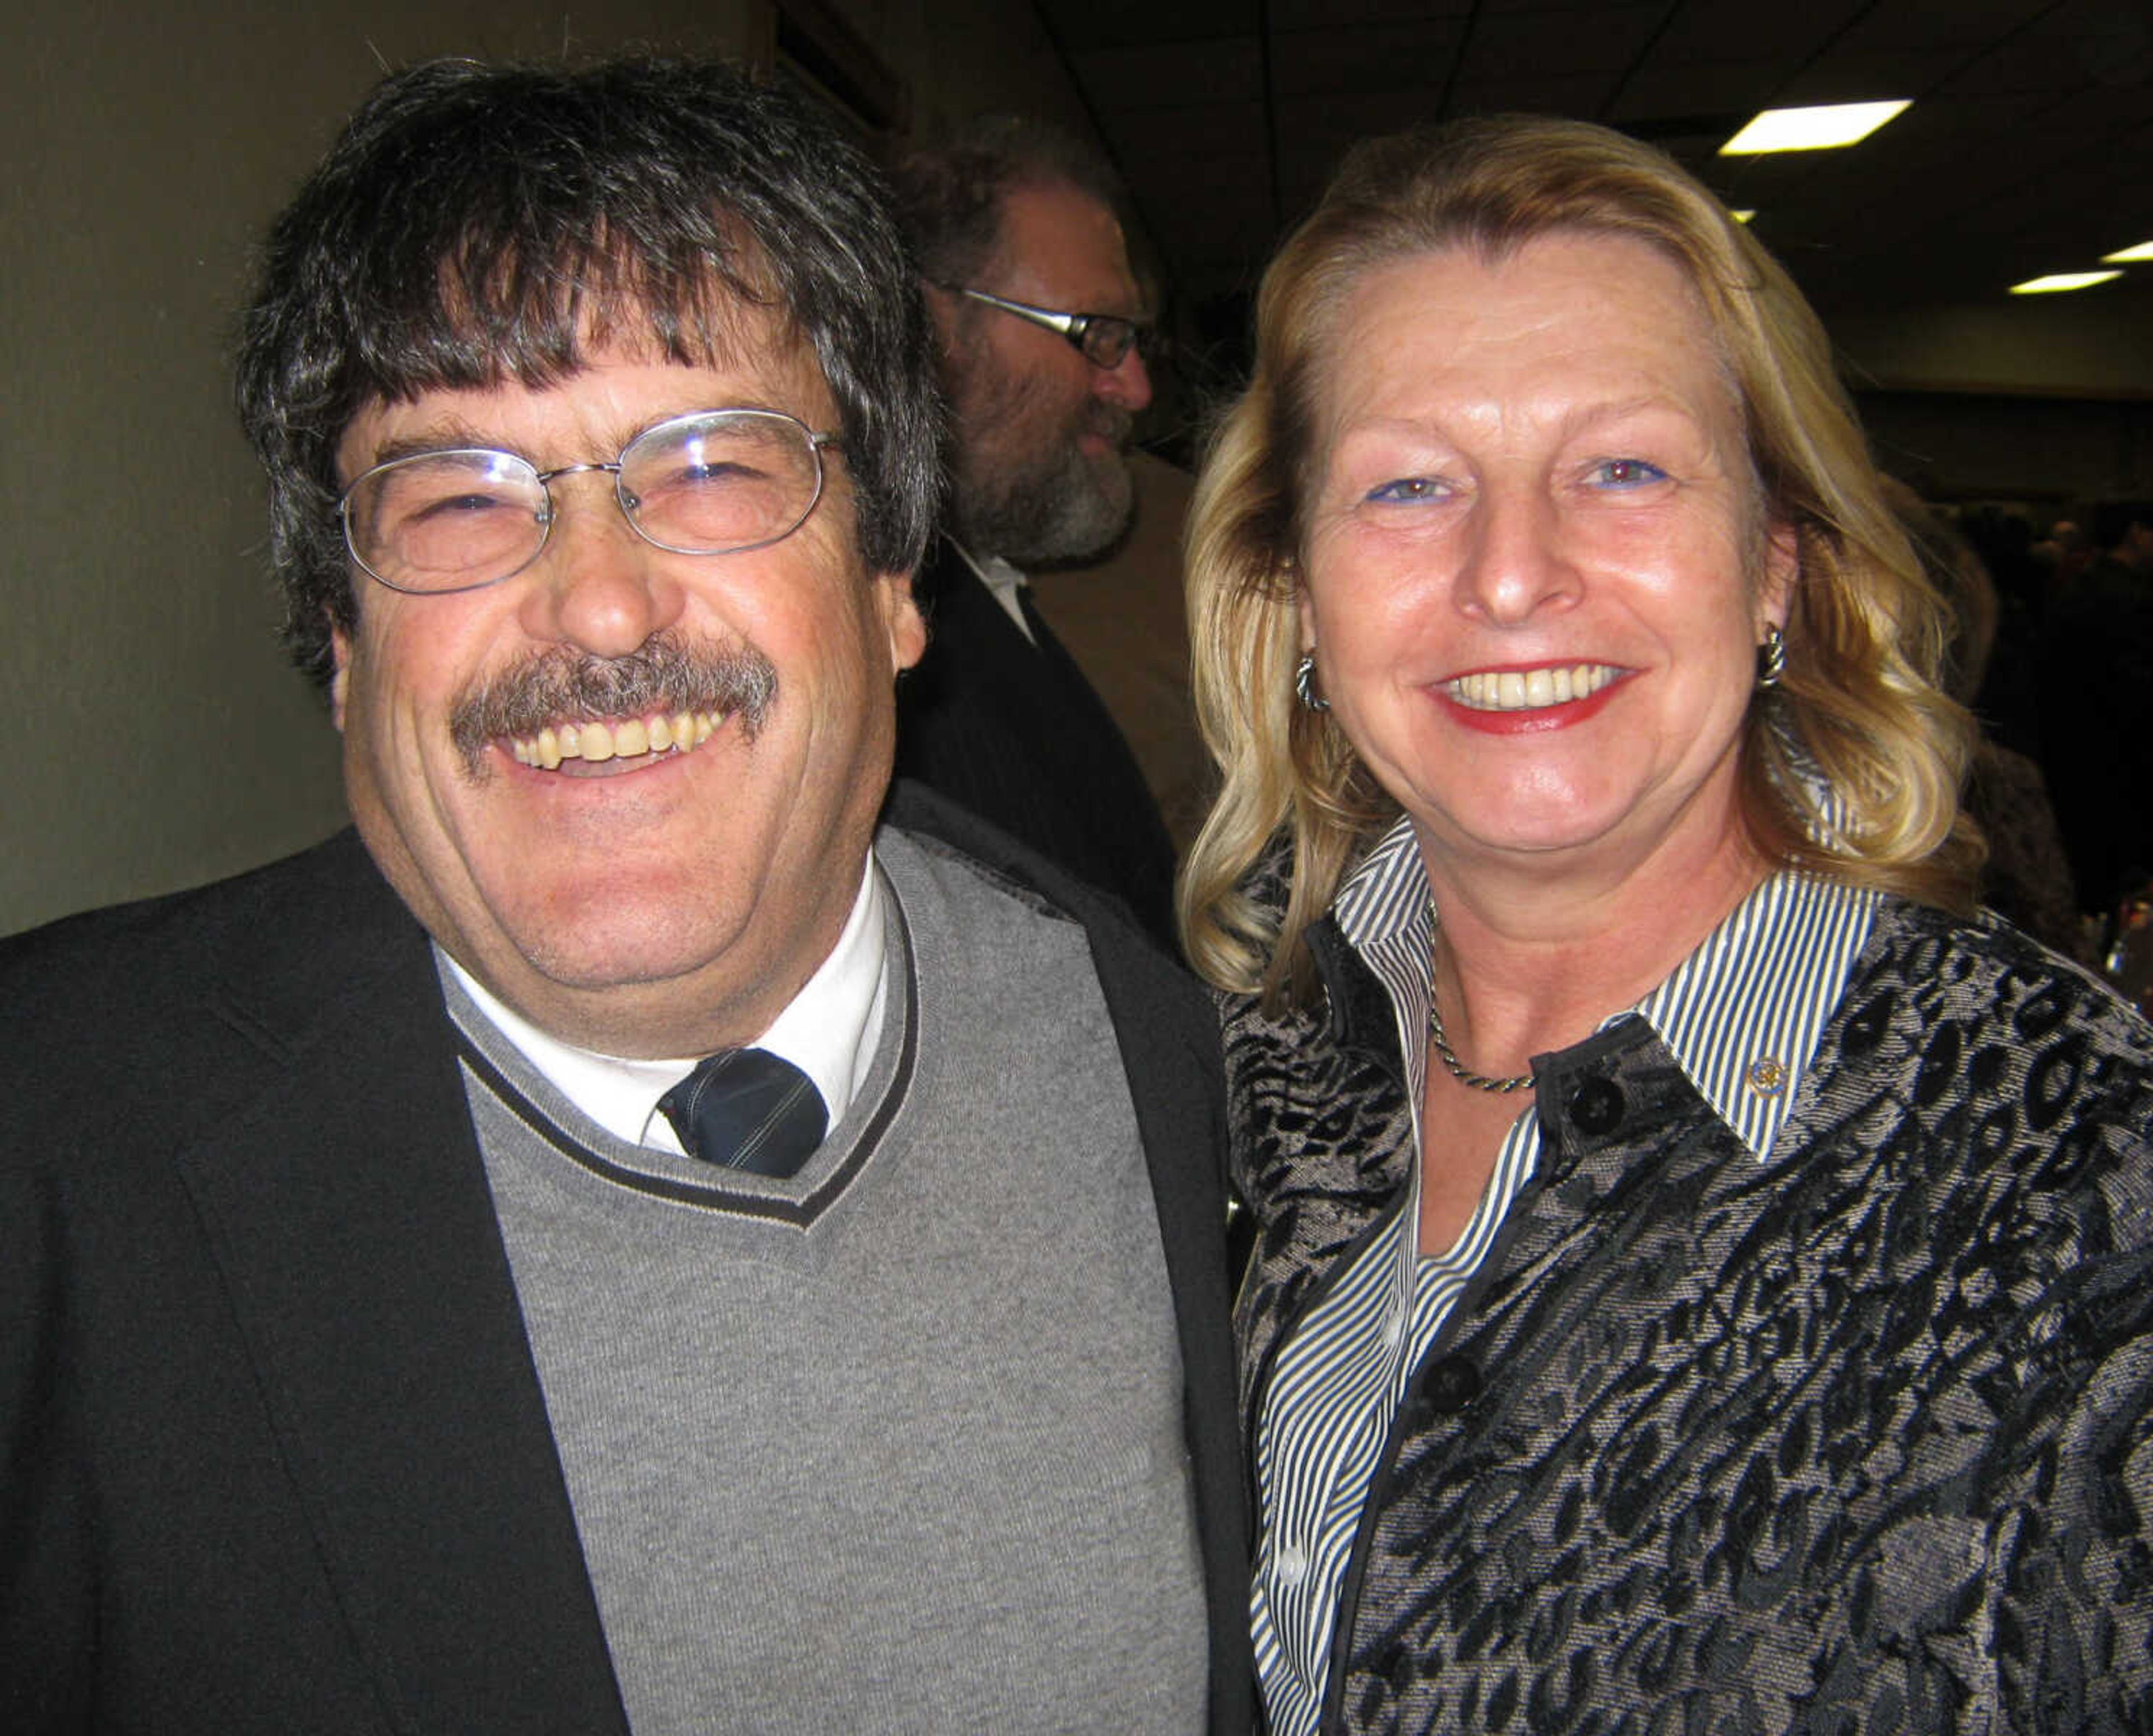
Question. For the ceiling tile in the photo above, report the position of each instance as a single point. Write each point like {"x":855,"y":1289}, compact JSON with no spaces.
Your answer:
{"x":1388,"y":57}
{"x":1162,"y":75}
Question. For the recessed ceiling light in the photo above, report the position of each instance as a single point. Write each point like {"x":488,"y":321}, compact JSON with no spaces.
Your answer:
{"x":1741,"y":217}
{"x":2130,"y":255}
{"x":2056,"y":283}
{"x":1826,"y":128}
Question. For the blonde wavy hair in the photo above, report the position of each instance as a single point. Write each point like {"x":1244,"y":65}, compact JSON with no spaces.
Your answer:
{"x":1860,"y":703}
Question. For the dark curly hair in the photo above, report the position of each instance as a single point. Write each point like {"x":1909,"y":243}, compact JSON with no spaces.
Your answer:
{"x":475,"y":224}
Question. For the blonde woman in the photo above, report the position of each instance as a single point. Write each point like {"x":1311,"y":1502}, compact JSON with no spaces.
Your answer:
{"x":1702,"y":1276}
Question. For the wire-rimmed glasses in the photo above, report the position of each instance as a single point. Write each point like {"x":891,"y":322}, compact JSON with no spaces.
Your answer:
{"x":714,"y":482}
{"x":1102,"y":339}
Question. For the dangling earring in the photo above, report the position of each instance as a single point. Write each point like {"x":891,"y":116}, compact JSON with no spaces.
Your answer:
{"x":1304,"y":683}
{"x":1771,"y":659}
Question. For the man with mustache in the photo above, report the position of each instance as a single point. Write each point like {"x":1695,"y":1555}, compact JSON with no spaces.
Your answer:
{"x":1039,"y":321}
{"x":640,"y":1233}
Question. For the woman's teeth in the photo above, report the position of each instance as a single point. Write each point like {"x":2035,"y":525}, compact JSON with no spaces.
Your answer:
{"x":1528,"y":689}
{"x":629,"y":739}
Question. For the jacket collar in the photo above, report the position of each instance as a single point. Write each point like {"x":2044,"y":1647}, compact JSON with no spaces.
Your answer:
{"x":1360,"y":1011}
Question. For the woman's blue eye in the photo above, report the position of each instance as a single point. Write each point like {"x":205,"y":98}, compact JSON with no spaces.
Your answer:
{"x":1407,"y":488}
{"x":1627,"y":473}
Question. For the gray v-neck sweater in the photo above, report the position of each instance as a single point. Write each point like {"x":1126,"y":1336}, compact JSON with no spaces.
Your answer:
{"x":896,"y":1444}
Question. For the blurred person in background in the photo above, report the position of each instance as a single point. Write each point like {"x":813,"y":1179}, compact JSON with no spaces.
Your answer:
{"x":1038,"y":319}
{"x":2096,"y":686}
{"x":2025,"y":876}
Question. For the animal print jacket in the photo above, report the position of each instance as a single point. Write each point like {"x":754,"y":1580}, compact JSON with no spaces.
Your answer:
{"x":1853,"y":1441}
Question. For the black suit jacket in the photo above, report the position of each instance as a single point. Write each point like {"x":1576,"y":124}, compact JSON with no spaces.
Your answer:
{"x":1012,"y":731}
{"x":274,"y":1455}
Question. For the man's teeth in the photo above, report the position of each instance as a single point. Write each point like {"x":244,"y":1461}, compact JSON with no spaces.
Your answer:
{"x":1527,"y":689}
{"x":629,"y":739}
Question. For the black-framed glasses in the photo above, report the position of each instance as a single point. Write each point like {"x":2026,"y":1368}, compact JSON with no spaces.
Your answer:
{"x":714,"y":482}
{"x":1102,"y":339}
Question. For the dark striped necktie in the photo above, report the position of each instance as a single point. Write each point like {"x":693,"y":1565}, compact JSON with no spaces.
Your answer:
{"x":745,"y":1109}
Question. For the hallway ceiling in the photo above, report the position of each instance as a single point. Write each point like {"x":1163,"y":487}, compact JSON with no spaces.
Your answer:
{"x":2028,"y":148}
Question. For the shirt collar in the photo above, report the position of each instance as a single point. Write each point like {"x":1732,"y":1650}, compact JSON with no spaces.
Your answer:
{"x":1384,"y":912}
{"x":828,"y":1030}
{"x":1741,"y":1015}
{"x":1004,"y":582}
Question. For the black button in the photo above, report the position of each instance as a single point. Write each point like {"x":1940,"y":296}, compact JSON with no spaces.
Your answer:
{"x":1596,"y":1107}
{"x":1448,"y":1386}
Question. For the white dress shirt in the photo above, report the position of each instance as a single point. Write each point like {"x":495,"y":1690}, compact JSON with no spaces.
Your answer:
{"x":1005,"y":583}
{"x":828,"y":1031}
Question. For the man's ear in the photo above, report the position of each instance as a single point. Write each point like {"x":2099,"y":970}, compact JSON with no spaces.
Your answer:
{"x":902,"y":620}
{"x":340,"y":673}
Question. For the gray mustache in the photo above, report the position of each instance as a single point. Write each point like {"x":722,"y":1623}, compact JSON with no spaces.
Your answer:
{"x":1115,"y":423}
{"x":667,"y":674}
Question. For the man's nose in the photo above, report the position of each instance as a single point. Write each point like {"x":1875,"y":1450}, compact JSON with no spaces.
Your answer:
{"x":1126,"y":384}
{"x":597,"y":585}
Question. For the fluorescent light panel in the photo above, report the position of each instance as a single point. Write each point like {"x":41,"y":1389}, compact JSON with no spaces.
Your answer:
{"x":2129,"y":255}
{"x":1826,"y":128}
{"x":2058,"y":282}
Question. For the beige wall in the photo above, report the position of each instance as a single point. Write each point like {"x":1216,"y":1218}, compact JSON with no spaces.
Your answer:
{"x":2043,"y":398}
{"x":2096,"y":344}
{"x":158,"y":738}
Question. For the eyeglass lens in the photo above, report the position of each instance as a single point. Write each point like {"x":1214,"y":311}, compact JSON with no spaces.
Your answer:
{"x":1108,"y":340}
{"x":705,"y":485}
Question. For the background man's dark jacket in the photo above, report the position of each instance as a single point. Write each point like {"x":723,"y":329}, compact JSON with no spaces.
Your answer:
{"x":1013,"y":732}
